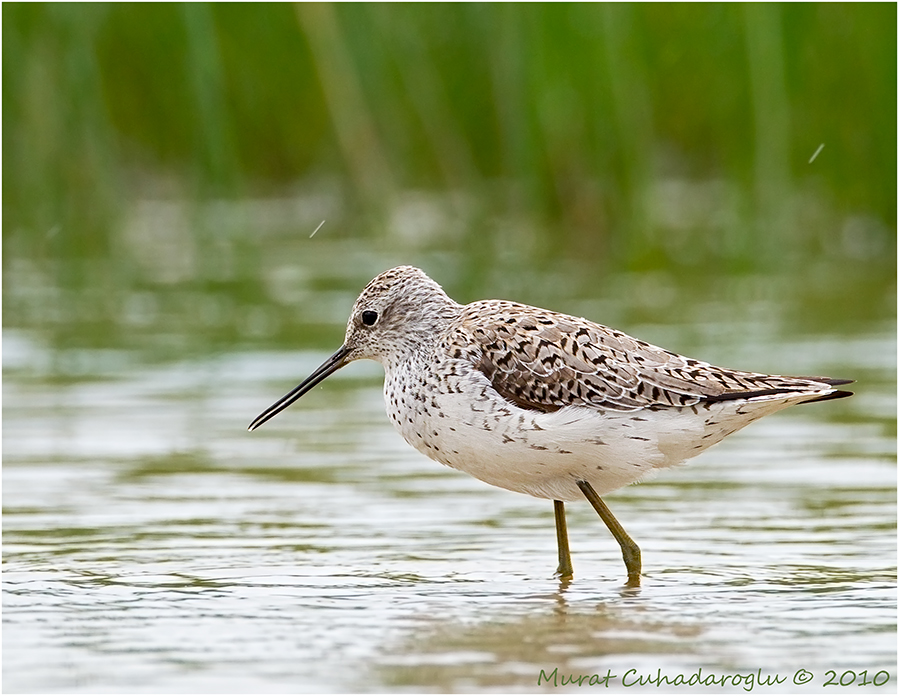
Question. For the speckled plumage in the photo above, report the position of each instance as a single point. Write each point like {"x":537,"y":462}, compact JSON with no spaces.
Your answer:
{"x":536,"y":401}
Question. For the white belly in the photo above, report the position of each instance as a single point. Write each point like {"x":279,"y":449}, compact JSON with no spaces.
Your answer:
{"x":473,"y":429}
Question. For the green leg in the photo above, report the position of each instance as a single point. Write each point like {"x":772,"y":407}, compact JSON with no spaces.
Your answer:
{"x":564,"y":571}
{"x":629,"y":550}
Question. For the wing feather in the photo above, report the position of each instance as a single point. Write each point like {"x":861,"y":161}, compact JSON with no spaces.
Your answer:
{"x":544,"y":360}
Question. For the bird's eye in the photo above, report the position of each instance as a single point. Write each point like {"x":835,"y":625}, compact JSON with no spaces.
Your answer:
{"x":369,"y":317}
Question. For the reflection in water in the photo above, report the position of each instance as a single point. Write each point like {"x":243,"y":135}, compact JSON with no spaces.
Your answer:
{"x":512,"y":652}
{"x":150,"y":540}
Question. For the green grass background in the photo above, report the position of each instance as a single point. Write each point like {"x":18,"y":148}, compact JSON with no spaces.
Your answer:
{"x":565,"y":123}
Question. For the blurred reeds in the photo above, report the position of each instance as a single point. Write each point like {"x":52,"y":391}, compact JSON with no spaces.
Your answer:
{"x":611,"y":130}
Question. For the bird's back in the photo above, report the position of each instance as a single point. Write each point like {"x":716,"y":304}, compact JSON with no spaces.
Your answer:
{"x":545,"y":360}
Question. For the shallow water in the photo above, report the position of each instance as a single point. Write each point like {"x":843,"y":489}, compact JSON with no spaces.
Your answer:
{"x":151,"y":544}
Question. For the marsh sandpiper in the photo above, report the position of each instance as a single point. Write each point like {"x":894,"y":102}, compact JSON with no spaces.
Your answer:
{"x":544,"y":403}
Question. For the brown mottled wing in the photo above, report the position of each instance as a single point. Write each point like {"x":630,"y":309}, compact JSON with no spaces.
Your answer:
{"x":545,"y":360}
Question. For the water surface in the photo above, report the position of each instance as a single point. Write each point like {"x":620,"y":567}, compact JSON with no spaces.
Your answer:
{"x":151,"y":544}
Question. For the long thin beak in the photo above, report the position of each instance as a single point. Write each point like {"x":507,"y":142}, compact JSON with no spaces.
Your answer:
{"x":330,"y":366}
